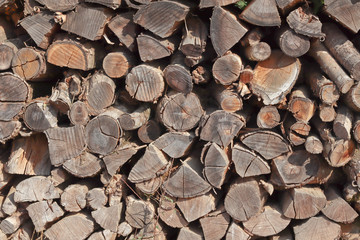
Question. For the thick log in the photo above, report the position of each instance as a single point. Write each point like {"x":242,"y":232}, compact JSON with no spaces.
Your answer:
{"x":96,"y":198}
{"x":262,"y":13}
{"x":327,"y":113}
{"x":134,"y":120}
{"x":313,"y":144}
{"x":215,"y":224}
{"x":65,"y":143}
{"x":138,"y":212}
{"x":73,"y":198}
{"x":118,"y":63}
{"x":162,"y":18}
{"x":78,"y":113}
{"x":244,"y":199}
{"x":275,"y":77}
{"x":85,"y":165}
{"x":175,"y":144}
{"x":300,"y":104}
{"x":329,"y":65}
{"x":29,"y":156}
{"x":225,"y":30}
{"x":352,"y":98}
{"x":302,"y":203}
{"x":74,"y":226}
{"x":235,"y":232}
{"x":343,"y":123}
{"x":213,"y":3}
{"x":145,"y":83}
{"x":149,"y":131}
{"x":180,"y":112}
{"x":35,"y":188}
{"x":226,"y":69}
{"x":292,"y":43}
{"x":59,"y":6}
{"x":188,"y":233}
{"x":268,"y":117}
{"x":108,"y":217}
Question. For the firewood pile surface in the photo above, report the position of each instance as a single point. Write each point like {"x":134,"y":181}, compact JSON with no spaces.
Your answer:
{"x":179,"y":119}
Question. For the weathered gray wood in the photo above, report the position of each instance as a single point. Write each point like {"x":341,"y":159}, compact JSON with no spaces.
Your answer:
{"x":96,"y":198}
{"x":343,"y":123}
{"x":262,"y":13}
{"x":149,"y":132}
{"x":43,"y":213}
{"x":73,"y":199}
{"x":292,"y":43}
{"x":175,"y":144}
{"x":9,"y":130}
{"x":268,"y":117}
{"x":150,"y":186}
{"x":118,"y":63}
{"x":40,"y":116}
{"x":84,"y":165}
{"x":227,"y":68}
{"x":236,"y":232}
{"x":172,"y":218}
{"x":124,"y":229}
{"x":344,"y":11}
{"x":108,"y":217}
{"x":135,"y":119}
{"x":313,"y":144}
{"x":59,"y":6}
{"x":215,"y":224}
{"x":352,"y":98}
{"x":138,"y":213}
{"x":35,"y":188}
{"x":187,"y":233}
{"x":213,"y":3}
{"x":78,"y":113}
{"x":10,"y":224}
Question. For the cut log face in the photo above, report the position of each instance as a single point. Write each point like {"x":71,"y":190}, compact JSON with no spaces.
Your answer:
{"x":258,"y":52}
{"x":248,"y":163}
{"x":175,"y":144}
{"x":300,"y":105}
{"x":12,"y":223}
{"x":118,"y":63}
{"x":215,"y":224}
{"x":102,"y":134}
{"x":9,"y":130}
{"x":149,"y":132}
{"x":65,"y":143}
{"x":317,"y":228}
{"x":177,"y":74}
{"x":6,"y":55}
{"x":151,"y":47}
{"x":36,"y":188}
{"x":150,"y":186}
{"x":60,"y":6}
{"x":108,"y":217}
{"x":194,"y":38}
{"x":216,"y":164}
{"x":337,"y":209}
{"x":343,"y":123}
{"x":352,"y":98}
{"x":180,"y":112}
{"x":162,"y":18}
{"x":344,"y":11}
{"x":96,"y":198}
{"x":268,"y":117}
{"x":267,"y":143}
{"x":85,"y":165}
{"x":9,"y":206}
{"x":172,"y":218}
{"x":262,"y":13}
{"x":235,"y":232}
{"x":222,"y":39}
{"x":244,"y":199}
{"x":40,"y":116}
{"x":134,"y":120}
{"x":227,"y":98}
{"x":78,"y":113}
{"x":314,"y":145}
{"x":73,"y":199}
{"x":226,"y":69}
{"x":73,"y":226}
{"x":42,"y":213}
{"x":187,"y":233}
{"x":221,"y":127}
{"x":303,"y":203}
{"x":292,"y":43}
{"x":138,"y":213}
{"x":275,"y":77}
{"x":327,"y":113}
{"x":213,"y":3}
{"x":124,"y":229}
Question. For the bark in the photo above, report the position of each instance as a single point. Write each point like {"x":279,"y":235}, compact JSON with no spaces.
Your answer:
{"x":114,"y":4}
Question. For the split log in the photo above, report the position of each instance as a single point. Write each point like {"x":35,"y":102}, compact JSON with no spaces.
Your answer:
{"x":41,"y":28}
{"x":267,"y":143}
{"x":313,"y":144}
{"x":60,"y":98}
{"x":216,"y":164}
{"x":343,"y":123}
{"x":149,"y":187}
{"x":124,"y":229}
{"x":9,"y":206}
{"x":196,"y":207}
{"x":329,"y":65}
{"x":25,"y":232}
{"x":275,"y":77}
{"x":149,"y":132}
{"x":175,"y":144}
{"x":9,"y":130}
{"x":123,"y":26}
{"x":65,"y":143}
{"x":103,"y":235}
{"x":108,"y":217}
{"x":187,"y":182}
{"x":268,"y":117}
{"x":29,"y":156}
{"x":74,"y":226}
{"x":161,"y":18}
{"x":40,"y":116}
{"x":305,"y":23}
{"x":67,"y":52}
{"x":337,"y":209}
{"x":145,"y":83}
{"x":87,"y":21}
{"x":59,"y":176}
{"x":188,"y":233}
{"x":78,"y":113}
{"x":221,"y":127}
{"x":302,"y":203}
{"x":8,"y":48}
{"x":12,"y":223}
{"x":118,"y":63}
{"x":213,"y":3}
{"x":300,"y":104}
{"x":235,"y":232}
{"x":244,"y":199}
{"x":227,"y":98}
{"x":85,"y":165}
{"x":114,"y":4}
{"x":134,"y":120}
{"x":60,"y":6}
{"x":102,"y":134}
{"x":96,"y":198}
{"x":35,"y":188}
{"x":317,"y":228}
{"x":152,"y":164}
{"x":138,"y":213}
{"x":292,"y":43}
{"x":73,"y":199}
{"x":327,"y":113}
{"x":43,"y":213}
{"x":180,"y":112}
{"x":352,"y":97}
{"x":115,"y":189}
{"x":172,"y":218}
{"x":262,"y":13}
{"x":222,"y":39}
{"x":215,"y":224}
{"x":150,"y":230}
{"x":226,"y":69}
{"x":287,"y":5}
{"x":268,"y":222}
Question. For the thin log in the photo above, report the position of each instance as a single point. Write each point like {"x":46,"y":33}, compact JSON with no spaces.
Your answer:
{"x":78,"y":113}
{"x":258,"y":52}
{"x":262,"y":13}
{"x":226,"y":69}
{"x":150,"y":186}
{"x":327,"y":113}
{"x":134,"y":120}
{"x":292,"y":43}
{"x":343,"y":123}
{"x":35,"y":188}
{"x":96,"y":198}
{"x":12,"y":223}
{"x":8,"y":50}
{"x":60,"y":6}
{"x":175,"y":144}
{"x":114,"y":4}
{"x":73,"y":199}
{"x":60,"y":98}
{"x":227,"y":98}
{"x":118,"y":63}
{"x":9,"y":130}
{"x":149,"y":131}
{"x":300,"y":104}
{"x":268,"y":117}
{"x":313,"y":144}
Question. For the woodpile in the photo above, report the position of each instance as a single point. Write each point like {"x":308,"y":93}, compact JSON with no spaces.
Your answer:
{"x":178,"y":119}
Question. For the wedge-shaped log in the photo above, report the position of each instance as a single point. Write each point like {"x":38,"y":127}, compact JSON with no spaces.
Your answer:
{"x":96,"y":198}
{"x":344,"y":11}
{"x":43,"y":213}
{"x":235,"y":232}
{"x":138,"y":213}
{"x":119,"y":157}
{"x":175,"y":144}
{"x":35,"y":188}
{"x":215,"y":224}
{"x":108,"y":217}
{"x":84,"y":165}
{"x":262,"y":13}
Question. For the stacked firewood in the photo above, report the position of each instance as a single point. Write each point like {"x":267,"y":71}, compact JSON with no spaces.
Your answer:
{"x":179,"y":119}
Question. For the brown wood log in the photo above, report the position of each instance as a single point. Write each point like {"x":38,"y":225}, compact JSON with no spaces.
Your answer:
{"x":187,"y":181}
{"x":313,"y":144}
{"x":35,"y":188}
{"x":343,"y":123}
{"x":149,"y":131}
{"x":114,"y":4}
{"x":71,"y":53}
{"x":145,"y":87}
{"x":123,"y":26}
{"x":172,"y":218}
{"x":278,"y":66}
{"x":267,"y":143}
{"x":161,"y":18}
{"x":65,"y":143}
{"x":221,"y":127}
{"x":344,"y":11}
{"x":262,"y":13}
{"x":213,"y":3}
{"x":40,"y":116}
{"x":138,"y":213}
{"x":175,"y":144}
{"x":244,"y":199}
{"x":300,"y":104}
{"x":9,"y":130}
{"x":286,"y":5}
{"x":108,"y":217}
{"x":236,"y":232}
{"x":317,"y":228}
{"x":215,"y":224}
{"x":303,"y":22}
{"x":337,"y":209}
{"x":87,"y":21}
{"x":96,"y":198}
{"x":248,"y":163}
{"x":302,"y":203}
{"x":180,"y":112}
{"x":10,"y":224}
{"x":134,"y":120}
{"x":329,"y":65}
{"x":85,"y":165}
{"x":78,"y":113}
{"x":327,"y":113}
{"x":292,"y":43}
{"x":73,"y":198}
{"x":150,"y":186}
{"x":268,"y":222}
{"x":73,"y":226}
{"x":8,"y":48}
{"x":226,"y":69}
{"x":221,"y":37}
{"x":188,"y":233}
{"x":227,"y":98}
{"x":151,"y":47}
{"x":60,"y":98}
{"x":352,"y":98}
{"x":60,"y":6}
{"x":216,"y":164}
{"x":44,"y":213}
{"x":118,"y":63}
{"x":29,"y":156}
{"x":258,"y":52}
{"x":268,"y":117}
